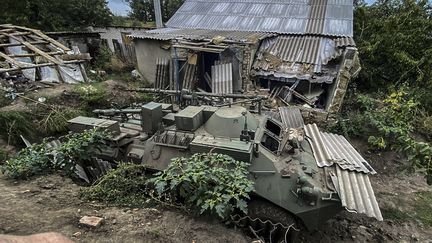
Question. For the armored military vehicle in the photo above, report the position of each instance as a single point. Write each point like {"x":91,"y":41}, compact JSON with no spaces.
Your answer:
{"x":302,"y":176}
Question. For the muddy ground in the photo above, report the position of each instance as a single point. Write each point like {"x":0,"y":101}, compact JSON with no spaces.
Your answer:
{"x":51,"y":203}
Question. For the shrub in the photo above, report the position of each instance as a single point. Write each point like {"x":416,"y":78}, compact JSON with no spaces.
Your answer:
{"x":16,"y":123}
{"x":4,"y":101}
{"x":124,"y":186}
{"x":55,"y":120}
{"x":92,"y":94}
{"x":216,"y":183}
{"x":41,"y":159}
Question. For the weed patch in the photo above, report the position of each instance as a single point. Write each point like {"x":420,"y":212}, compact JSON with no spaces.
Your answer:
{"x":124,"y":186}
{"x":40,"y":159}
{"x":423,"y":207}
{"x":16,"y":123}
{"x":54,"y":121}
{"x":92,"y":94}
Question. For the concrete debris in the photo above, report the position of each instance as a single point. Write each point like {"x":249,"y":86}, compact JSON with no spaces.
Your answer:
{"x":91,"y":221}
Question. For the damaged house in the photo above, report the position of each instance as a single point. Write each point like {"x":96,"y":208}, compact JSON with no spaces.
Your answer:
{"x":30,"y":55}
{"x":298,"y":52}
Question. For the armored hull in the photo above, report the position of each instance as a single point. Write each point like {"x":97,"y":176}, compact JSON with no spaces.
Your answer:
{"x":296,"y":168}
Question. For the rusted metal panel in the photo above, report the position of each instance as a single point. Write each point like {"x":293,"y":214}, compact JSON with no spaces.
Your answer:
{"x":291,"y":117}
{"x":222,"y":79}
{"x":356,"y":193}
{"x":326,"y":17}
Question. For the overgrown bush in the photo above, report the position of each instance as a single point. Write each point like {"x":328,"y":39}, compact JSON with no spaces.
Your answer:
{"x":4,"y":101}
{"x":92,"y":94}
{"x":103,"y":57}
{"x":390,"y":123}
{"x":41,"y":159}
{"x":55,"y":120}
{"x":124,"y":186}
{"x":215,"y":183}
{"x":16,"y":123}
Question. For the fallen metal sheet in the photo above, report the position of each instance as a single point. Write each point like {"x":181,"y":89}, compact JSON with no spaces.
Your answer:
{"x":291,"y":117}
{"x":222,"y":79}
{"x":318,"y":145}
{"x":356,"y":193}
{"x":332,"y":149}
{"x":326,"y":17}
{"x":344,"y":154}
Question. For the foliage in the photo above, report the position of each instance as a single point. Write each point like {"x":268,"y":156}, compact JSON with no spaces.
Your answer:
{"x":41,"y":159}
{"x":423,"y":207}
{"x":92,"y":94}
{"x":143,"y":10}
{"x":4,"y":101}
{"x":55,"y":120}
{"x":393,"y":38}
{"x":4,"y":155}
{"x":55,"y":15}
{"x":16,"y":123}
{"x":215,"y":183}
{"x":124,"y":186}
{"x":389,"y":124}
{"x":103,"y":57}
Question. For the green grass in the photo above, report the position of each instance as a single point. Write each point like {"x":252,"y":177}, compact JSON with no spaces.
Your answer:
{"x":423,"y":207}
{"x":4,"y":101}
{"x":395,"y":214}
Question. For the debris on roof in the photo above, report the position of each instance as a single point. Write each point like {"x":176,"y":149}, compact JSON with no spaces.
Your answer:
{"x":35,"y":56}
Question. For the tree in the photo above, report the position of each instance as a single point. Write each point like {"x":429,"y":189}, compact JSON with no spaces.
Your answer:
{"x":143,"y":10}
{"x":395,"y":43}
{"x":55,"y":15}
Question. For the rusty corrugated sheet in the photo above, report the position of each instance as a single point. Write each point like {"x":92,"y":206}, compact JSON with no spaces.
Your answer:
{"x":326,"y":17}
{"x":189,"y":76}
{"x":344,"y":154}
{"x":222,"y":79}
{"x":356,"y":193}
{"x":291,"y":117}
{"x":199,"y":34}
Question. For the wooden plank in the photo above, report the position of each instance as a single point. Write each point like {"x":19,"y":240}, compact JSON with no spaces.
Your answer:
{"x":38,"y":65}
{"x":35,"y":54}
{"x":42,"y":53}
{"x":45,"y":37}
{"x":11,"y":60}
{"x":20,"y":44}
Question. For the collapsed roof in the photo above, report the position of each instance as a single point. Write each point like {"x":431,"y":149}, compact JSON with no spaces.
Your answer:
{"x":38,"y":57}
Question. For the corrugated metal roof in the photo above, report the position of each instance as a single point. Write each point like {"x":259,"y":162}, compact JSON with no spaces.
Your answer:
{"x":222,"y":79}
{"x":332,"y":149}
{"x":197,"y":34}
{"x":300,"y":57}
{"x":318,"y":145}
{"x":326,"y":17}
{"x":305,"y":49}
{"x":291,"y":117}
{"x":344,"y":154}
{"x":356,"y":193}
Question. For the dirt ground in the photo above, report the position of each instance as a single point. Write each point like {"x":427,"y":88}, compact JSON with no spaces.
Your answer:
{"x":51,"y":203}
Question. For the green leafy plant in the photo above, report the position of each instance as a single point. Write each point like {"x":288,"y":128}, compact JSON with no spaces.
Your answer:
{"x":40,"y":159}
{"x":215,"y":183}
{"x":124,"y":186}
